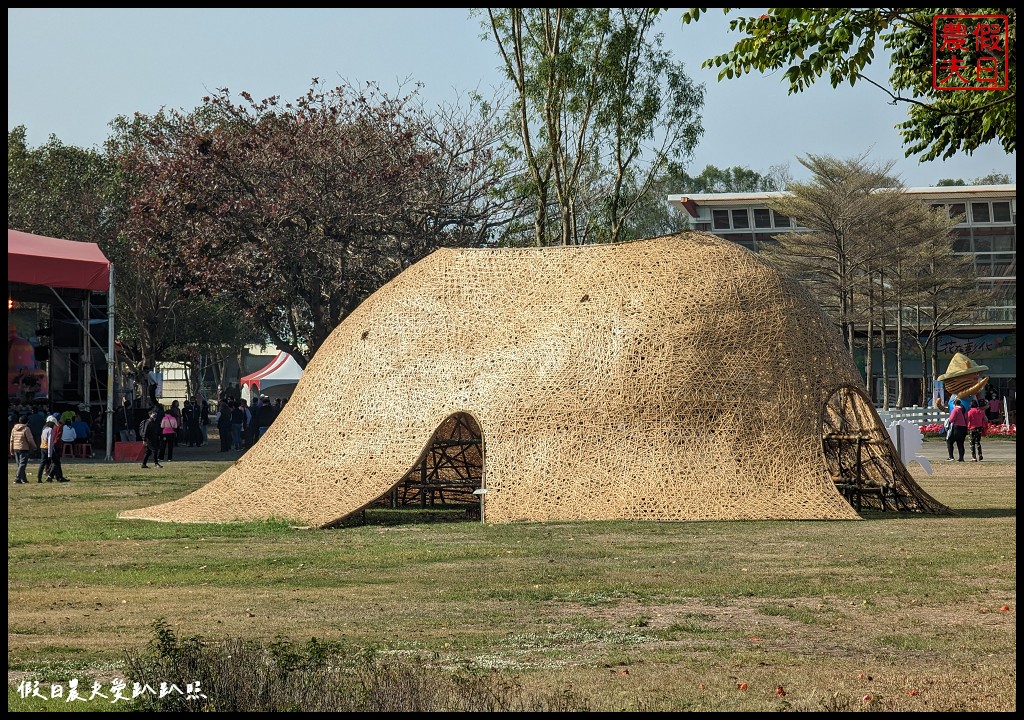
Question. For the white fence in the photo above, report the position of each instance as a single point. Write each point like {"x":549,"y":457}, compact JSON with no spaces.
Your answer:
{"x":916,"y":414}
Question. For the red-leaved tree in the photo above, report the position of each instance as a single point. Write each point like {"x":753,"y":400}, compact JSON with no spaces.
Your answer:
{"x":298,"y":211}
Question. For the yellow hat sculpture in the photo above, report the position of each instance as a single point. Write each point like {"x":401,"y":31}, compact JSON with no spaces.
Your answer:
{"x":675,"y":378}
{"x":963,"y":376}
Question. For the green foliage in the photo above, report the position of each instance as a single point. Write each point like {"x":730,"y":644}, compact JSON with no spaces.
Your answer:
{"x":652,"y":216}
{"x":60,"y":191}
{"x":66,"y":192}
{"x":840,"y":43}
{"x":726,"y":180}
{"x":600,"y":109}
{"x":995,"y":178}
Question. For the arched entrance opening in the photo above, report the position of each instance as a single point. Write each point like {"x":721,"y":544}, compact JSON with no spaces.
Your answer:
{"x":862,"y":459}
{"x":450,"y":468}
{"x":442,"y":479}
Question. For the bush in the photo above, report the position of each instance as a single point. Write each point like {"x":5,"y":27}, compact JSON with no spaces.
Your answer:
{"x":240,"y":676}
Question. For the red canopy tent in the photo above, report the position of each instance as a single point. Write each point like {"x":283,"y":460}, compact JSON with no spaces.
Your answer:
{"x":55,"y":263}
{"x":66,"y":264}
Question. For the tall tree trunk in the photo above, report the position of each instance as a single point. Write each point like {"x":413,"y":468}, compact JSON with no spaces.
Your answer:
{"x":869,"y":341}
{"x":926,"y":387}
{"x":900,"y":400}
{"x":883,"y":340}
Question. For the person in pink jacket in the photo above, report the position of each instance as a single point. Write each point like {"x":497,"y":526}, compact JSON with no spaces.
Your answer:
{"x":977,"y":423}
{"x":168,"y":436}
{"x":957,"y":432}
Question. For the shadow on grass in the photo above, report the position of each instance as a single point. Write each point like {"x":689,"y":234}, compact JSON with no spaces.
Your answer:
{"x":390,"y":517}
{"x":977,"y":513}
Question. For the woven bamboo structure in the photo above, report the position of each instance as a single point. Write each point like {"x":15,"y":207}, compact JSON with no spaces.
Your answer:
{"x":675,"y":378}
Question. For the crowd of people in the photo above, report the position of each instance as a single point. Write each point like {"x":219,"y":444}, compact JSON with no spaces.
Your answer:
{"x":38,"y":434}
{"x":163,"y":430}
{"x":238,"y":426}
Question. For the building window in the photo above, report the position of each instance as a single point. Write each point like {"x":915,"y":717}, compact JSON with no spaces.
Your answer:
{"x":1003,"y":243}
{"x":980,"y":212}
{"x":762,"y":218}
{"x":1000,"y":212}
{"x":1005,"y":293}
{"x":1004,"y":265}
{"x":720,"y":219}
{"x":956,"y":210}
{"x":740,"y":219}
{"x":781,"y":221}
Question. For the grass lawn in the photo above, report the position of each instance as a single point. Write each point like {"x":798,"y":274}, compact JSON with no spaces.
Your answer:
{"x":895,"y":613}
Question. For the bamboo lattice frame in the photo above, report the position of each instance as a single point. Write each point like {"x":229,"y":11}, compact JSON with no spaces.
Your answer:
{"x":862,"y":459}
{"x":676,"y":378}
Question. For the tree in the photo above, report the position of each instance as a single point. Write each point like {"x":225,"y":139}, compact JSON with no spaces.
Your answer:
{"x":874,"y":255}
{"x":915,"y":236}
{"x":729,"y":180}
{"x":654,"y":216}
{"x":911,"y":242}
{"x":840,"y":42}
{"x":993,"y":178}
{"x":58,"y":190}
{"x":298,"y":211}
{"x":64,"y":191}
{"x":947,"y":295}
{"x":840,"y":207}
{"x":219,"y":331}
{"x":600,"y":109}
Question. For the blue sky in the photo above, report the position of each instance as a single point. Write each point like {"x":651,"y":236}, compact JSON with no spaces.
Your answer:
{"x":71,"y":71}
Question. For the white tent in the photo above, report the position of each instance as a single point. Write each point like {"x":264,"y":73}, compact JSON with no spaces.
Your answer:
{"x":276,"y":379}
